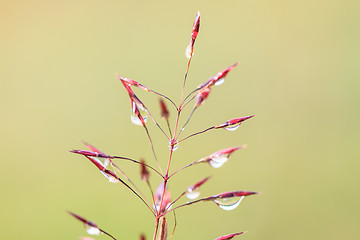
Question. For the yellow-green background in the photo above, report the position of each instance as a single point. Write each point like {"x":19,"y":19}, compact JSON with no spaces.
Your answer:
{"x":298,"y":72}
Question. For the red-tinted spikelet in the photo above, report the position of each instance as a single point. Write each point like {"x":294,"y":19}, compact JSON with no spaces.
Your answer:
{"x":164,"y":110}
{"x":239,"y":120}
{"x":135,"y":103}
{"x":107,"y":173}
{"x":220,"y":75}
{"x":144,"y":171}
{"x":131,"y":82}
{"x":194,"y":33}
{"x":136,"y":112}
{"x":234,"y":121}
{"x":142,"y":237}
{"x":235,"y":194}
{"x":199,"y":183}
{"x":196,"y":27}
{"x":128,"y":81}
{"x":112,"y":174}
{"x":92,"y":148}
{"x":90,"y":153}
{"x":127,"y":87}
{"x":227,"y":151}
{"x":193,"y":192}
{"x":229,"y":236}
{"x":91,"y":228}
{"x":201,"y":96}
{"x":83,"y":219}
{"x":98,"y":164}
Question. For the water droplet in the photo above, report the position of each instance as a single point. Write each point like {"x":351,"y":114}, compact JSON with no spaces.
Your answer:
{"x":217,"y":162}
{"x":98,"y":161}
{"x":135,"y":120}
{"x":141,"y":109}
{"x":106,"y":162}
{"x":220,"y":81}
{"x":229,"y":203}
{"x":232,"y":128}
{"x":192,"y":193}
{"x":92,"y":230}
{"x":173,"y":144}
{"x":188,"y":51}
{"x":110,"y":178}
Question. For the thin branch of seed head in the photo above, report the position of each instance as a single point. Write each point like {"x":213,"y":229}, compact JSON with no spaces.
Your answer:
{"x":168,"y":165}
{"x":89,"y":223}
{"x":126,"y":185}
{"x":182,"y":168}
{"x":168,"y":124}
{"x":156,"y":228}
{"x":122,"y":173}
{"x":175,"y":224}
{"x":197,"y":133}
{"x":187,"y":121}
{"x":131,"y":182}
{"x":153,"y":150}
{"x":161,"y":95}
{"x":157,"y":124}
{"x":182,"y":104}
{"x":173,"y":202}
{"x":190,"y":203}
{"x":108,"y":234}
{"x":186,"y":74}
{"x":137,"y":162}
{"x":177,"y":123}
{"x":151,"y":190}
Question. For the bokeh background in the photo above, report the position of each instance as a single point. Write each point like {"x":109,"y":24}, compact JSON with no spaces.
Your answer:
{"x":298,"y":72}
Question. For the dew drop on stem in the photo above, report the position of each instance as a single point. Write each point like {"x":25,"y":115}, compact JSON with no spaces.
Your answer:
{"x":110,"y":178}
{"x":188,"y":51}
{"x":219,"y":82}
{"x":193,"y":193}
{"x":217,"y":162}
{"x":229,"y":203}
{"x":232,"y":128}
{"x":173,"y":144}
{"x":138,"y":109}
{"x":135,"y":120}
{"x":92,"y":230}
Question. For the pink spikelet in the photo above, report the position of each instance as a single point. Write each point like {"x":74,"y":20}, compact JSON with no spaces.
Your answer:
{"x":229,"y":236}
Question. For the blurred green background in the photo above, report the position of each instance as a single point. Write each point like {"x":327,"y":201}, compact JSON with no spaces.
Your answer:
{"x":298,"y":72}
